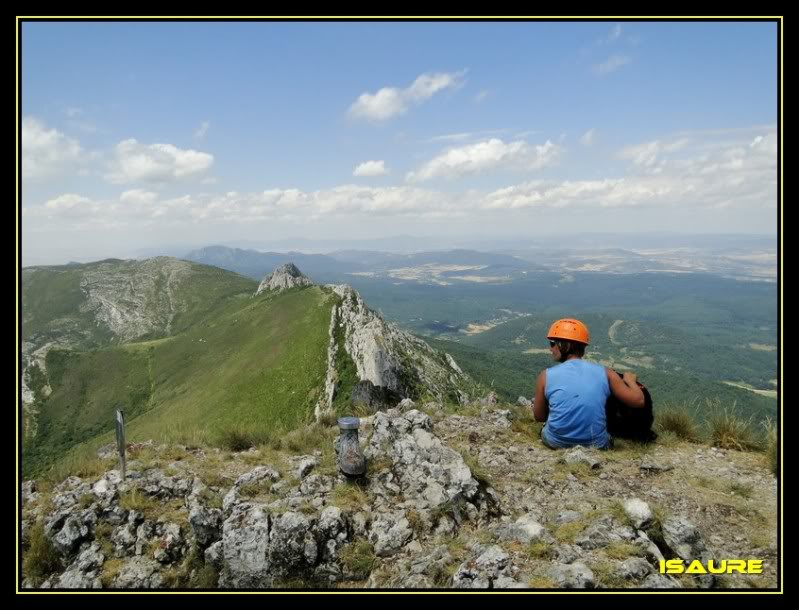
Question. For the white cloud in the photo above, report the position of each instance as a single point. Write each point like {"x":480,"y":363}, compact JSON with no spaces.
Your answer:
{"x":384,"y":104}
{"x":67,"y":201}
{"x":427,"y":85}
{"x":482,"y":96}
{"x":371,"y":168}
{"x":138,"y":197}
{"x":676,"y":145}
{"x":452,"y":137}
{"x":765,"y":144}
{"x":588,"y":138}
{"x":674,"y":171}
{"x":142,"y":208}
{"x":613,"y":63}
{"x":46,"y":152}
{"x":202,"y":130}
{"x":614,"y":33}
{"x":469,"y":135}
{"x":642,"y":154}
{"x":66,"y":208}
{"x":610,"y":192}
{"x":681,"y":171}
{"x":158,"y":163}
{"x":484,"y":156}
{"x":389,"y":102}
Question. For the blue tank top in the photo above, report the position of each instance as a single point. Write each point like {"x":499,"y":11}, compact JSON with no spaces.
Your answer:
{"x":577,"y":391}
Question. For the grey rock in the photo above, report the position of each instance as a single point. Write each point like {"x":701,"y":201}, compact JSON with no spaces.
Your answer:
{"x":106,"y":488}
{"x":139,"y":573}
{"x":634,"y":568}
{"x":305,"y":466}
{"x":526,"y":529}
{"x":245,"y":543}
{"x":638,"y":512}
{"x":505,"y":582}
{"x":282,"y":278}
{"x":580,"y":455}
{"x":292,"y":547}
{"x":389,"y":532}
{"x":316,"y":484}
{"x":214,"y":555}
{"x":206,"y":524}
{"x":682,"y":537}
{"x":573,"y":576}
{"x":567,"y":553}
{"x":648,"y":465}
{"x":659,"y":581}
{"x":481,"y":572}
{"x":256,"y":475}
{"x":567,"y":516}
{"x":84,"y":571}
{"x":71,"y":534}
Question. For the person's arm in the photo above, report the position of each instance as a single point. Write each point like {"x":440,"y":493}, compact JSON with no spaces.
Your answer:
{"x":626,"y":389}
{"x":541,"y":406}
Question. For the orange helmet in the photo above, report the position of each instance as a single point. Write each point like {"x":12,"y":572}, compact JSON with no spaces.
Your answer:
{"x":569,"y":329}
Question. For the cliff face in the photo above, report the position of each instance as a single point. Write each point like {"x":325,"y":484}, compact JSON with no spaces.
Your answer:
{"x":390,"y":358}
{"x":469,"y":500}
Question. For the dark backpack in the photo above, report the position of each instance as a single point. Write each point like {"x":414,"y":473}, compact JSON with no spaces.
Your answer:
{"x":628,"y":422}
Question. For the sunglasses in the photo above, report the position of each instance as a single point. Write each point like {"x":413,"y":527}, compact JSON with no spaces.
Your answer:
{"x":553,"y":343}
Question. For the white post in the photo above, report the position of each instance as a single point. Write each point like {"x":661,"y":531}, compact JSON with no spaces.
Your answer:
{"x":121,"y":442}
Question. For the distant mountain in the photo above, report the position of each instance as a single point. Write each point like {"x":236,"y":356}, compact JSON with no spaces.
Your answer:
{"x":255,"y":264}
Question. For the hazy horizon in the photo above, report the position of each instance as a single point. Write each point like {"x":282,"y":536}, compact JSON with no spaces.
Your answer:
{"x":410,"y":244}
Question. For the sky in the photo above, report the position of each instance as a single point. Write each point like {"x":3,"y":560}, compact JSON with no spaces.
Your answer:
{"x":143,"y":135}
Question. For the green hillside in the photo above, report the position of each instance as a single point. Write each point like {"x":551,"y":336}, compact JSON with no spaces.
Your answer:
{"x":257,"y":362}
{"x":513,"y":373}
{"x":56,"y":303}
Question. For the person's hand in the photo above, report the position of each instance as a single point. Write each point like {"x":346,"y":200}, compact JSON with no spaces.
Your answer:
{"x":629,"y":377}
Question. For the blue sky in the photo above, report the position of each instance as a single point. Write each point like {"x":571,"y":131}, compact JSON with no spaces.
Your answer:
{"x":146,"y":134}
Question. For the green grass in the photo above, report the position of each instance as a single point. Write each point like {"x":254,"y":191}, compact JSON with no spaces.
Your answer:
{"x":138,"y":501}
{"x":568,"y":532}
{"x":349,"y":496}
{"x":730,"y":431}
{"x":346,"y":374}
{"x":539,"y":550}
{"x":40,"y":559}
{"x":245,"y":376}
{"x":479,"y":473}
{"x":240,"y":437}
{"x":679,"y":421}
{"x":359,"y":559}
{"x":523,"y":422}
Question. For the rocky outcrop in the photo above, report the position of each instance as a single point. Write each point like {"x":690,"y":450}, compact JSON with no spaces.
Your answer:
{"x":448,"y":501}
{"x":284,"y":277}
{"x":390,"y":358}
{"x":136,"y":300}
